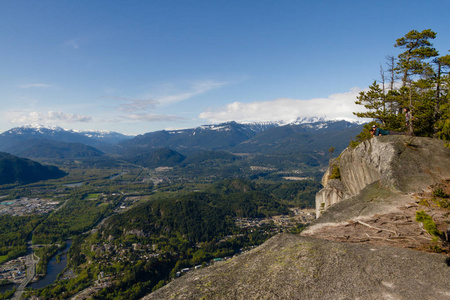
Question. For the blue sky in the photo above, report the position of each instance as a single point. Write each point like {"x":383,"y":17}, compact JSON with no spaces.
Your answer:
{"x":140,"y":66}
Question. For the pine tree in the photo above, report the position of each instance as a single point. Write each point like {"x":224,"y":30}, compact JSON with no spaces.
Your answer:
{"x":412,"y":62}
{"x":374,"y":100}
{"x":418,"y":48}
{"x":442,"y":103}
{"x":425,"y":89}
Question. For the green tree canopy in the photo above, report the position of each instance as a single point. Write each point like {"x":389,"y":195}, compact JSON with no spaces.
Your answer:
{"x":420,"y":106}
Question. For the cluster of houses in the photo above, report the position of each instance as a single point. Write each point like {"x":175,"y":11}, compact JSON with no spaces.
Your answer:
{"x":304,"y":216}
{"x":27,"y":206}
{"x":110,"y":252}
{"x":13,"y":271}
{"x":212,"y":261}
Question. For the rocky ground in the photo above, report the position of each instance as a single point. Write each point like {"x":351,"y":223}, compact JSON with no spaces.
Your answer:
{"x":295,"y":267}
{"x":395,"y":225}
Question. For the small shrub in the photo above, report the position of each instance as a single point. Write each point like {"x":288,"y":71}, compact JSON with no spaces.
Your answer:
{"x":335,"y":173}
{"x":439,"y":192}
{"x":297,"y":229}
{"x":424,"y":202}
{"x":353,"y":143}
{"x":436,"y":249}
{"x":442,"y":203}
{"x":322,"y":206}
{"x":428,"y":223}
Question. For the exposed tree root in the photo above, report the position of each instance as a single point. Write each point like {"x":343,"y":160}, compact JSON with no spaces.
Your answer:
{"x":377,"y":228}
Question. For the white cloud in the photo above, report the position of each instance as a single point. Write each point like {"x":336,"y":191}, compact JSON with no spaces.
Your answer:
{"x":138,"y":105}
{"x":73,"y":43}
{"x":195,"y":89}
{"x":134,"y":105}
{"x":140,"y":109}
{"x":152,"y":118}
{"x":336,"y":106}
{"x":50,"y":117}
{"x":34,"y":85}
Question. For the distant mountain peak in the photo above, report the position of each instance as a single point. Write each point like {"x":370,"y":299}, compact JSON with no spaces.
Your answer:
{"x":16,"y":139}
{"x":40,"y":126}
{"x":297,"y":121}
{"x":302,"y":120}
{"x":49,"y":130}
{"x":33,"y":130}
{"x":307,"y":120}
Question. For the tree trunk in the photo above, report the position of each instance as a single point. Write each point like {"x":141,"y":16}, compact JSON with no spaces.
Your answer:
{"x":410,"y":127}
{"x":437,"y":103}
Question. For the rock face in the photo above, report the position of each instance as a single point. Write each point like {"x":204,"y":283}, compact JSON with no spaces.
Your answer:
{"x":398,"y":163}
{"x":384,"y":182}
{"x":295,"y":267}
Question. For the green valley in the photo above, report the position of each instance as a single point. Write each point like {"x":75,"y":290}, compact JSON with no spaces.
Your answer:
{"x":135,"y":228}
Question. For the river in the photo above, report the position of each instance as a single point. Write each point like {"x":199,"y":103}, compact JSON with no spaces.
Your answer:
{"x":4,"y":288}
{"x":53,"y":268}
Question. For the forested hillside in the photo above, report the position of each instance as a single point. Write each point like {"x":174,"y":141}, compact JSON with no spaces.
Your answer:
{"x":201,"y":216}
{"x":212,"y":137}
{"x":14,"y":169}
{"x":50,"y":149}
{"x":158,"y":158}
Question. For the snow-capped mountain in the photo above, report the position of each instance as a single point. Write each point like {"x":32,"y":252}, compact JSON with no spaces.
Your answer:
{"x":56,"y":131}
{"x":249,"y":137}
{"x":309,"y":120}
{"x":14,"y":140}
{"x":230,"y":136}
{"x":258,"y":127}
{"x":33,"y":129}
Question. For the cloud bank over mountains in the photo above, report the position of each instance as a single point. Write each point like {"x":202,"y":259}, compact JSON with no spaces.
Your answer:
{"x":336,"y":106}
{"x":50,"y":117}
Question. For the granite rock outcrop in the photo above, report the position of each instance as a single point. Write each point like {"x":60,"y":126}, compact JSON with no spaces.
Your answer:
{"x":400,"y":164}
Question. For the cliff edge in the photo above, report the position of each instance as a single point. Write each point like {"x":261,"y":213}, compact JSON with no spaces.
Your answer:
{"x":398,"y":164}
{"x":384,"y":182}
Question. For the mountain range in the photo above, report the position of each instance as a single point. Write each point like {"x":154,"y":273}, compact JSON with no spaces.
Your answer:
{"x":102,"y":140}
{"x":301,"y":136}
